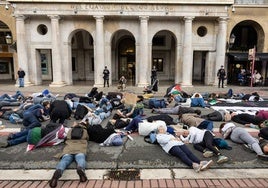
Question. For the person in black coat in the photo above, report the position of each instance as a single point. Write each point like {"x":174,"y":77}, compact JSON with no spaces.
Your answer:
{"x":246,"y":119}
{"x":59,"y":110}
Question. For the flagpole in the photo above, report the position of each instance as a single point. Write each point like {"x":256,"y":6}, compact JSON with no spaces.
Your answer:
{"x":252,"y":67}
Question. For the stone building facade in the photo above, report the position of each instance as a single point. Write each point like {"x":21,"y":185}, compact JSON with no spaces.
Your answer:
{"x":62,"y":41}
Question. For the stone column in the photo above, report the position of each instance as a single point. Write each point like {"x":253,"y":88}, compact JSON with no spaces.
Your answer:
{"x":143,"y":62}
{"x":187,"y":61}
{"x":23,"y":61}
{"x":99,"y":53}
{"x":56,"y":52}
{"x":221,"y":46}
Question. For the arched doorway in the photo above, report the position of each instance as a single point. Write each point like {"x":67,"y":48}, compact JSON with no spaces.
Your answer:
{"x":82,"y":56}
{"x":124,"y":56}
{"x":245,"y":35}
{"x":163,"y":55}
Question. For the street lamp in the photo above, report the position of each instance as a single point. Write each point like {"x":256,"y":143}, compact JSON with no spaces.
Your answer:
{"x":8,"y":39}
{"x":231,"y":40}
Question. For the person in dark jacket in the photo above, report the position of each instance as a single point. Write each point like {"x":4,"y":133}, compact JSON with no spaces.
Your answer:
{"x":36,"y":113}
{"x":106,"y":74}
{"x":221,"y":74}
{"x":246,"y":119}
{"x":21,"y":75}
{"x":59,"y":110}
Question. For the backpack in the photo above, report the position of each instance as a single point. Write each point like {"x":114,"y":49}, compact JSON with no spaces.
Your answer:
{"x":15,"y":118}
{"x":77,"y":132}
{"x":221,"y":143}
{"x":151,"y":138}
{"x":80,"y":112}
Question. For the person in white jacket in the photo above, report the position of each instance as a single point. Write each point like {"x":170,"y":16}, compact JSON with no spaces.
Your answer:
{"x":203,"y":141}
{"x":174,"y":146}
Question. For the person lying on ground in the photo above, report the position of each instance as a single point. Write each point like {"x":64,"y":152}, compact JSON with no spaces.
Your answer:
{"x":198,"y":101}
{"x":105,"y":136}
{"x":196,"y":121}
{"x":35,"y":114}
{"x":262,"y":114}
{"x":202,"y":141}
{"x":247,"y":119}
{"x":177,"y":110}
{"x":241,"y":136}
{"x":174,"y":146}
{"x":18,"y":96}
{"x":217,"y":115}
{"x":32,"y":136}
{"x":251,"y":97}
{"x":75,"y":150}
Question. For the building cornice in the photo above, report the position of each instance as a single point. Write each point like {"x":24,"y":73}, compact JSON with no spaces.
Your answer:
{"x":210,"y":2}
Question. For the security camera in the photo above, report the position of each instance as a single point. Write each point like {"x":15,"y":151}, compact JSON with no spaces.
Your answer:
{"x":6,"y":7}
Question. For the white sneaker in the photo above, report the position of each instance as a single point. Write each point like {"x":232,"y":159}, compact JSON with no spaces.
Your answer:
{"x":205,"y":164}
{"x":208,"y":154}
{"x":222,"y":159}
{"x":196,"y":167}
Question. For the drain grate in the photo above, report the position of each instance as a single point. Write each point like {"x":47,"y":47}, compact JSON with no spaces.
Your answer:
{"x":124,"y":174}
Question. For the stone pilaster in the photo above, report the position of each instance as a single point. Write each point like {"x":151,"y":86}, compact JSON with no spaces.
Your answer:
{"x":56,"y":52}
{"x":221,"y":45}
{"x":23,"y":61}
{"x":99,"y":53}
{"x":143,"y":64}
{"x":187,"y":61}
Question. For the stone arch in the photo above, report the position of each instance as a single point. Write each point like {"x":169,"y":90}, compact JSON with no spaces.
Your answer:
{"x":164,"y":54}
{"x":249,"y":31}
{"x":123,"y":55}
{"x":82,"y":55}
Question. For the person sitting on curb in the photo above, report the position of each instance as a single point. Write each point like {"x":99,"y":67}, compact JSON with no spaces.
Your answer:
{"x":241,"y":136}
{"x":202,"y":141}
{"x":74,"y":150}
{"x":174,"y":146}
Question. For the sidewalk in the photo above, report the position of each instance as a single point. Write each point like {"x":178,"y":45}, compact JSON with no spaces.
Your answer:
{"x":151,"y":166}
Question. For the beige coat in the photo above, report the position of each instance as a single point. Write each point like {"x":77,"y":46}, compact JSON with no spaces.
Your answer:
{"x":191,"y":119}
{"x":75,"y":146}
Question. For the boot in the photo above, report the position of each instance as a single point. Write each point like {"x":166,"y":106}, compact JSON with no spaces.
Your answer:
{"x":54,"y":180}
{"x":82,"y":174}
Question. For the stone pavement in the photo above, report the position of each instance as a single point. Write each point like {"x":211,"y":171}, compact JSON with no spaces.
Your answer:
{"x":136,"y":163}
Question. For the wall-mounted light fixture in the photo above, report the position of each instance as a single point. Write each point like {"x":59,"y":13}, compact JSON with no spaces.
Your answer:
{"x":8,"y":39}
{"x":6,"y":7}
{"x":231,"y":40}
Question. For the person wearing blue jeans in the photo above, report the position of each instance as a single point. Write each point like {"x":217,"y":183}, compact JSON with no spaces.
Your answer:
{"x":33,"y":115}
{"x":75,"y":150}
{"x":134,"y":124}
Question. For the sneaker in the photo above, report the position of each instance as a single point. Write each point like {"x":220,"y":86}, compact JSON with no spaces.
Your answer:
{"x":196,"y":167}
{"x":222,"y":159}
{"x":208,"y":154}
{"x":263,"y":157}
{"x":205,"y":164}
{"x":82,"y":174}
